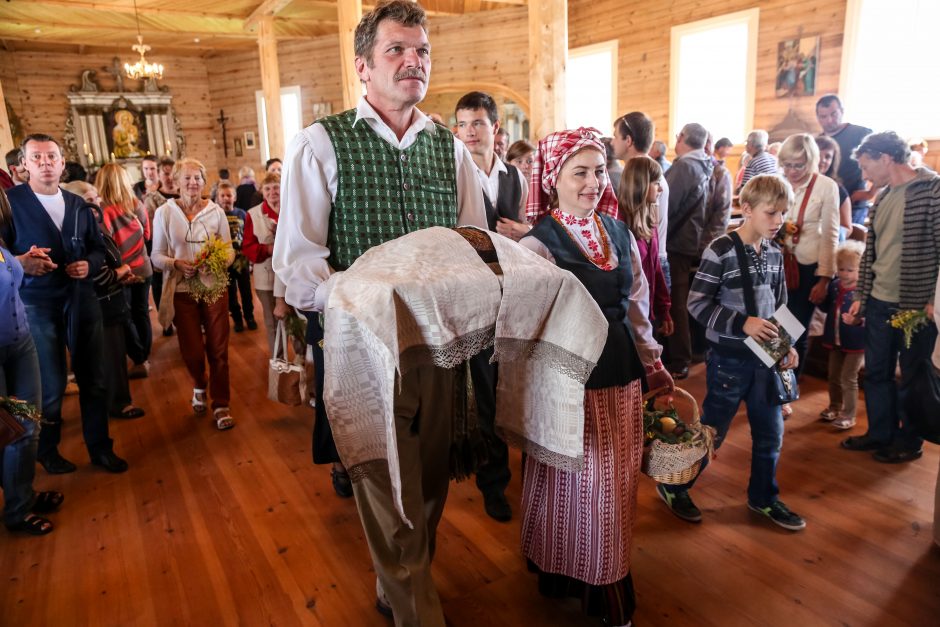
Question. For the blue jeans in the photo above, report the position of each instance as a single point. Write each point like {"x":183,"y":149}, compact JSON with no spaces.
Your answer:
{"x":47,"y":324}
{"x":731,"y":379}
{"x":19,"y":377}
{"x":884,"y":348}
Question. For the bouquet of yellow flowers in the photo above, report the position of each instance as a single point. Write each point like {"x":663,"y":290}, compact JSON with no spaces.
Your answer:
{"x":211,"y":279}
{"x":910,"y":321}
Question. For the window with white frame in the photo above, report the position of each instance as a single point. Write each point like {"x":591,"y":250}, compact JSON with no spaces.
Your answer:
{"x":713,"y":73}
{"x":890,"y":66}
{"x":291,"y":118}
{"x":591,"y":86}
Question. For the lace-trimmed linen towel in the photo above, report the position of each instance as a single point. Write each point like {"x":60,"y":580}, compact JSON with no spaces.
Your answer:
{"x":429,"y":294}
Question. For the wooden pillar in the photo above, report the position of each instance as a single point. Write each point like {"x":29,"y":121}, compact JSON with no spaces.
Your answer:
{"x":6,"y":133}
{"x":349,"y":13}
{"x":548,"y":56}
{"x":271,"y":85}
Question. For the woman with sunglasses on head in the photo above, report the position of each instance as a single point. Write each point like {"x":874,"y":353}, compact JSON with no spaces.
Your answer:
{"x":181,"y":228}
{"x":812,"y":230}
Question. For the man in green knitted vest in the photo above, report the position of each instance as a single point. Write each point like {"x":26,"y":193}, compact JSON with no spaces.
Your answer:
{"x":350,"y":182}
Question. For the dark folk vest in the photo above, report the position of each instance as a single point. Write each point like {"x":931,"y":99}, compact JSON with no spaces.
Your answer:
{"x":383,"y":192}
{"x":619,"y":363}
{"x":507,"y":198}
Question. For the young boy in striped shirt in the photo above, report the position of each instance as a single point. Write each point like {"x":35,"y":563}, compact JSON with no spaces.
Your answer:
{"x":734,"y":373}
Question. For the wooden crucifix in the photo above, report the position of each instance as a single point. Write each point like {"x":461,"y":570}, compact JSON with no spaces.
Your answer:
{"x":222,"y":120}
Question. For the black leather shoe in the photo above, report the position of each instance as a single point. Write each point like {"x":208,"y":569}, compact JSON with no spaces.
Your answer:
{"x":109,"y":461}
{"x":239,"y":327}
{"x":341,"y":483}
{"x":55,"y":464}
{"x":680,"y":373}
{"x":862,"y":443}
{"x":252,"y":325}
{"x":497,"y":507}
{"x":384,"y":609}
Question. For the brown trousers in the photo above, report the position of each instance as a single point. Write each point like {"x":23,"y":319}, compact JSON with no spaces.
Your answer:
{"x":401,"y":555}
{"x":190,"y":319}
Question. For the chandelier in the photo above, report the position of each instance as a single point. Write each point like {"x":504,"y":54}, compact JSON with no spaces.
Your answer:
{"x":143,"y":69}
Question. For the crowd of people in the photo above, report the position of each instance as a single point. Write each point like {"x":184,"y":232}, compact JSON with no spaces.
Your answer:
{"x":840,"y":223}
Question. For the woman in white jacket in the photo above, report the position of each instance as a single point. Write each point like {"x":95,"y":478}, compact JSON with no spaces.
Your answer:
{"x":181,"y":228}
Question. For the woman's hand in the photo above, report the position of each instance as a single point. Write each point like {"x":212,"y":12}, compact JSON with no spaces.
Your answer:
{"x":818,"y":293}
{"x":667,"y":327}
{"x":123,"y":272}
{"x":185,"y":268}
{"x":77,"y":269}
{"x":660,"y":379}
{"x":281,"y":308}
{"x":760,"y":329}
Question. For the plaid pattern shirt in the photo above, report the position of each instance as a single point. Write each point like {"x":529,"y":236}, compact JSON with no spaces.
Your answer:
{"x":716,"y":298}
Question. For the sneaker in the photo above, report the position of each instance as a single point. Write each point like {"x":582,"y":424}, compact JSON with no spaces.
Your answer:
{"x":829,"y":414}
{"x":843,"y":422}
{"x":781,"y":515}
{"x":680,"y":503}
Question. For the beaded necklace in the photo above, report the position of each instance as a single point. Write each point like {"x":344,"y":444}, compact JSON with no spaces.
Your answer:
{"x":598,"y":254}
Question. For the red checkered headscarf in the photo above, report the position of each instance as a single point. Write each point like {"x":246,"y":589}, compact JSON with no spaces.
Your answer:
{"x":552,"y":153}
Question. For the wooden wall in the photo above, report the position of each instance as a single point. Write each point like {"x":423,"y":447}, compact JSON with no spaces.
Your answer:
{"x":642,"y":29}
{"x":36,"y":83}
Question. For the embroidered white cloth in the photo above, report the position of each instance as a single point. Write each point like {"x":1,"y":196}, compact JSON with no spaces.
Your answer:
{"x":428,"y":297}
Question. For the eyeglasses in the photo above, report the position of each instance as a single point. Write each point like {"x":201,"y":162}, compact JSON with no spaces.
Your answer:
{"x":191,"y":237}
{"x":799,"y":167}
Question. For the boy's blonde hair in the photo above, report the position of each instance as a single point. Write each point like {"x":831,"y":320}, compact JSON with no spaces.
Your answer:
{"x":766,"y":188}
{"x":850,"y":249}
{"x":225,"y":185}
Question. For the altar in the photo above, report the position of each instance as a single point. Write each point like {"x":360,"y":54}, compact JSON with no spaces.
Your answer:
{"x":120,"y":126}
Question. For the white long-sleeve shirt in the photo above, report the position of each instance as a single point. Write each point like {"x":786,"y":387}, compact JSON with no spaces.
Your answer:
{"x":309,"y":181}
{"x":819,"y":236}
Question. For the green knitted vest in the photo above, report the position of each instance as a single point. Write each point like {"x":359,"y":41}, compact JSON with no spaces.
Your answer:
{"x":383,"y":192}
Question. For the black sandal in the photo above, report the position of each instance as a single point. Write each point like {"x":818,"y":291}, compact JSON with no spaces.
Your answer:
{"x":47,"y":502}
{"x":32,"y":525}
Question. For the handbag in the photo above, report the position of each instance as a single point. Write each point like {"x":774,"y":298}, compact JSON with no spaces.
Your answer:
{"x":922,"y":400}
{"x":11,"y":429}
{"x":287,"y":380}
{"x":791,"y":268}
{"x":782,"y":387}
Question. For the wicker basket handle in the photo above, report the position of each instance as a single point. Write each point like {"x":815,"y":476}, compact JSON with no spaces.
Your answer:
{"x":677,"y":391}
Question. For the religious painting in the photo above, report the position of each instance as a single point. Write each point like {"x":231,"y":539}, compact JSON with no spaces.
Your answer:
{"x":250,"y":140}
{"x":239,"y":151}
{"x":321,"y":110}
{"x":126,"y":133}
{"x":797,"y":63}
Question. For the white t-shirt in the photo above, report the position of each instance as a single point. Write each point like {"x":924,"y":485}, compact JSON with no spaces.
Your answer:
{"x":54,"y":206}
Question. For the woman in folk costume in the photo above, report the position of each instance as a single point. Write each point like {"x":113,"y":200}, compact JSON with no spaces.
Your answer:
{"x":577,"y":526}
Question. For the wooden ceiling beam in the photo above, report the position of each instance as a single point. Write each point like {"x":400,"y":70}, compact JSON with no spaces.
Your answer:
{"x":129,"y":9}
{"x":268,"y":8}
{"x":316,"y":29}
{"x":7,"y":45}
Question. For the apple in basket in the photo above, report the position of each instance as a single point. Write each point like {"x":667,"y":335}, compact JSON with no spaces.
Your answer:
{"x":667,"y":424}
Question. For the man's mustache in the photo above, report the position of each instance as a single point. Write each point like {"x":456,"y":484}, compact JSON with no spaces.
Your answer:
{"x":412,"y":73}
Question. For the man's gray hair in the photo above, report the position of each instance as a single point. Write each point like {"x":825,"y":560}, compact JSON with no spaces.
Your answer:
{"x":402,"y":12}
{"x":758,"y":139}
{"x":694,"y":135}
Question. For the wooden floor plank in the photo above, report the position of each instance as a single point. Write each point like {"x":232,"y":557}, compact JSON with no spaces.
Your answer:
{"x":240,"y":528}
